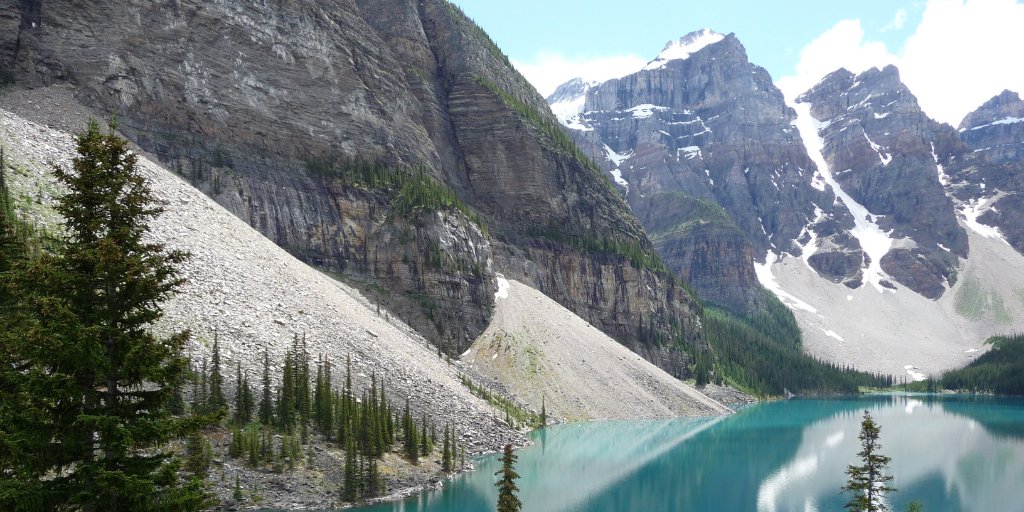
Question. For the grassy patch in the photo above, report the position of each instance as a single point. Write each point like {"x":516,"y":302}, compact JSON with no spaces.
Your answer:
{"x":517,"y":414}
{"x":408,"y":190}
{"x":973,"y":301}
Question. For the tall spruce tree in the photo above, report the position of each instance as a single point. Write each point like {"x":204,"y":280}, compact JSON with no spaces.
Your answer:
{"x":868,"y":482}
{"x":350,"y":485}
{"x":266,"y":413}
{"x":446,"y":451}
{"x":91,"y":382}
{"x":411,"y":444}
{"x":507,"y":489}
{"x":215,"y":400}
{"x":286,"y":403}
{"x":425,"y":447}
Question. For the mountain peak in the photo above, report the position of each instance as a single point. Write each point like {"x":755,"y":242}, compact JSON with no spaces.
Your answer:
{"x":1004,"y":108}
{"x":685,"y":46}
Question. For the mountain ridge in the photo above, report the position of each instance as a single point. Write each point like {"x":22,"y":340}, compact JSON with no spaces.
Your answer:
{"x":893,"y":212}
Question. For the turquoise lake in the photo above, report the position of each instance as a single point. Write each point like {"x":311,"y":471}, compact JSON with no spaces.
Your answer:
{"x":953,"y":453}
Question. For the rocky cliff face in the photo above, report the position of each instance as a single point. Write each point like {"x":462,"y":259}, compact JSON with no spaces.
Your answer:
{"x":881,"y":152}
{"x":985,"y":174}
{"x":271,"y":110}
{"x":700,"y":142}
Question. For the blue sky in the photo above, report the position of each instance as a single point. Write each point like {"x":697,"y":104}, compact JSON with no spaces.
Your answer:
{"x":952,"y":53}
{"x":772,"y":31}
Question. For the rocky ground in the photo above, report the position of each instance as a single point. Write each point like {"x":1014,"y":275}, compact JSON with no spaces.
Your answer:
{"x":540,"y":352}
{"x":315,"y":481}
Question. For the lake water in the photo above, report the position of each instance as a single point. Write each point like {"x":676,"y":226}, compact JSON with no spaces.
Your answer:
{"x":952,"y":453}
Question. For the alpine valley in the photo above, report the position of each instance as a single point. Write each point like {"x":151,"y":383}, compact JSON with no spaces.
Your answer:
{"x":371,"y":186}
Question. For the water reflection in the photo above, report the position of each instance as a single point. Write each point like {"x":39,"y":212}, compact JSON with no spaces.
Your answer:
{"x":954,"y":454}
{"x":947,"y":459}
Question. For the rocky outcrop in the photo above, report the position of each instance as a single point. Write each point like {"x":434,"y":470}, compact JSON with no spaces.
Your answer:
{"x":985,"y":174}
{"x":700,"y":142}
{"x":881,"y":150}
{"x":270,"y":109}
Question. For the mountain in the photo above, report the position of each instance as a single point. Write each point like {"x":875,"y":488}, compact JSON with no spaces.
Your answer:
{"x":879,"y":156}
{"x":387,"y":142}
{"x":851,"y":206}
{"x":984,"y":173}
{"x":700,"y":142}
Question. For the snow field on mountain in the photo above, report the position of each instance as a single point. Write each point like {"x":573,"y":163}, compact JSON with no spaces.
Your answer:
{"x":875,"y":242}
{"x":903,"y":333}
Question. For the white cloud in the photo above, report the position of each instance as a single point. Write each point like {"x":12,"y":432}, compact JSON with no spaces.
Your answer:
{"x":549,"y":70}
{"x":842,"y":46}
{"x":960,"y":55}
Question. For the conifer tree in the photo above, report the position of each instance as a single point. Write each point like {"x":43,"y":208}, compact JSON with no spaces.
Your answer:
{"x":412,"y":451}
{"x":304,"y":395}
{"x":424,"y":440}
{"x":200,"y":389}
{"x":237,"y":494}
{"x":286,"y":403}
{"x":266,"y":414}
{"x":239,"y":395}
{"x":868,"y":482}
{"x":89,"y":383}
{"x":373,"y":484}
{"x":507,"y":489}
{"x":350,"y":487}
{"x":446,"y":451}
{"x":216,"y":397}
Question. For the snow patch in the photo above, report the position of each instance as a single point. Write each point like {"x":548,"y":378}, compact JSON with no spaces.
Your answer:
{"x":616,"y":158}
{"x":767,"y":279}
{"x":566,"y":110}
{"x":875,"y":242}
{"x":885,"y":158}
{"x":943,"y":178}
{"x":503,"y":287}
{"x":832,"y":334}
{"x":691,"y":152}
{"x":811,"y":247}
{"x":1005,"y":120}
{"x":913,"y":372}
{"x":969,"y":213}
{"x":684,"y":48}
{"x":617,"y":176}
{"x":645,"y":110}
{"x":576,"y":123}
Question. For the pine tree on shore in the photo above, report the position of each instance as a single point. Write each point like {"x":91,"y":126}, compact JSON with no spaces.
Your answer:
{"x":868,"y":482}
{"x":350,"y":488}
{"x":446,"y":451}
{"x":507,"y":489}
